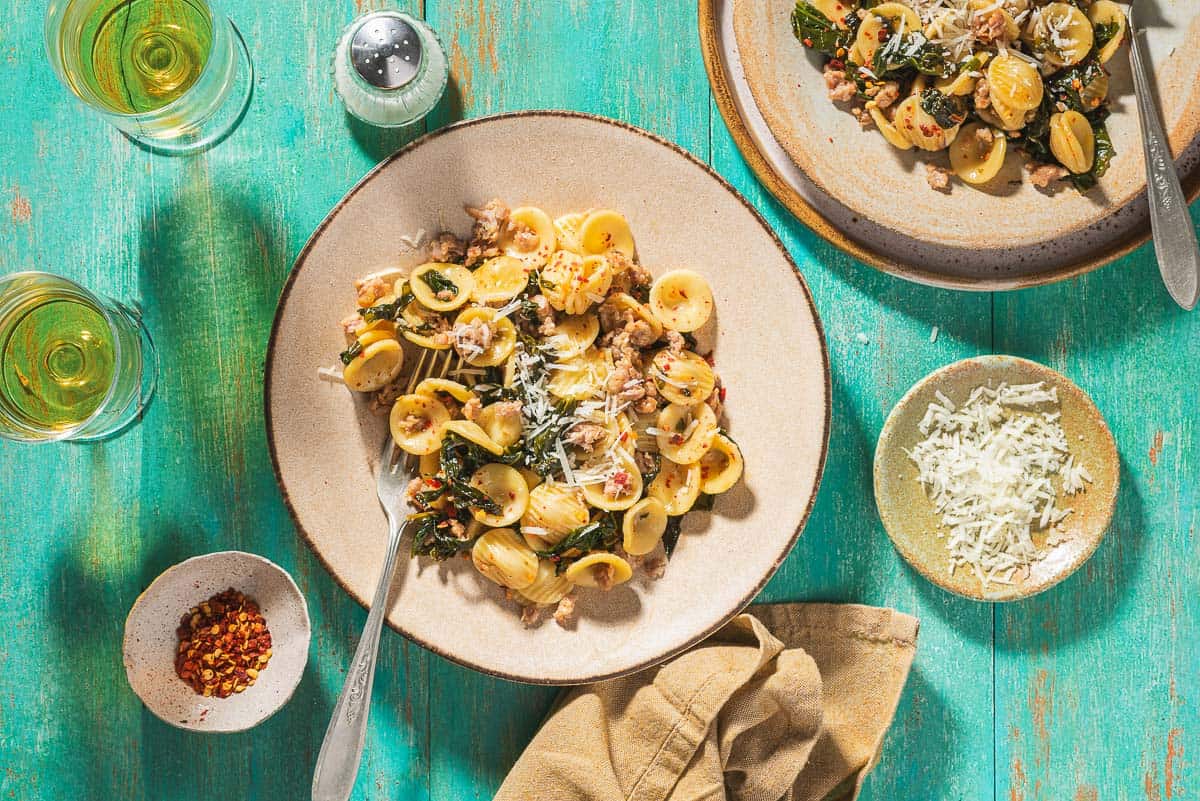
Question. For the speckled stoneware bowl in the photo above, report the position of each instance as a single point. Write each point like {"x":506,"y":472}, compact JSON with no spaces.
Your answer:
{"x":151,"y":641}
{"x":872,"y":200}
{"x":769,"y":350}
{"x":909,"y":516}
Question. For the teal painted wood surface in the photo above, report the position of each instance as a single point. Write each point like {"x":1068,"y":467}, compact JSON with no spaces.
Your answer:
{"x":1086,"y":692}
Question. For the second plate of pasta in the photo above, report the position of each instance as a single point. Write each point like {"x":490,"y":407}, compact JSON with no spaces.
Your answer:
{"x":617,"y":444}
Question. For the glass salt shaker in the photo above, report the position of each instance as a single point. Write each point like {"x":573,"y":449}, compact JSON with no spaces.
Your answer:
{"x":389,"y":68}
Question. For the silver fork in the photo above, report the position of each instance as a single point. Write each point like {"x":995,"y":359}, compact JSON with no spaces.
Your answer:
{"x":341,"y":751}
{"x":1170,"y":223}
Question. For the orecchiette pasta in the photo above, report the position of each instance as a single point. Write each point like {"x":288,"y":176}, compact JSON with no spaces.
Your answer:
{"x":919,"y":71}
{"x":565,"y":418}
{"x":1072,"y":141}
{"x":643,"y":526}
{"x":681,"y":300}
{"x":502,"y":557}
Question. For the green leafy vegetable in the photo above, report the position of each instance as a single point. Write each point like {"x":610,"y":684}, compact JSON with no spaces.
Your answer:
{"x":433,"y":537}
{"x":598,"y":535}
{"x":1104,"y":155}
{"x":948,"y":110}
{"x":815,"y":31}
{"x":670,"y":537}
{"x":387,"y":311}
{"x":903,"y":55}
{"x":350,"y":353}
{"x":438,"y":283}
{"x":1104,"y":33}
{"x":1069,"y":87}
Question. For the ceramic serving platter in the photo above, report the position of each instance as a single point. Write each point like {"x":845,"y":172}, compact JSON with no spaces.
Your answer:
{"x":872,"y":200}
{"x":769,"y":350}
{"x":914,"y":525}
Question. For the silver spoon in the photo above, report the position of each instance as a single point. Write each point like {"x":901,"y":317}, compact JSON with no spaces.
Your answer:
{"x":341,"y":751}
{"x":1170,"y":223}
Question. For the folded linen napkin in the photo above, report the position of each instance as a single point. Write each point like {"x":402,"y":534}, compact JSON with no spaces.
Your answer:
{"x":788,"y":702}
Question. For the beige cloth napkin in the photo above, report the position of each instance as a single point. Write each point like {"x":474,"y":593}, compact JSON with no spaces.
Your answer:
{"x":788,"y":702}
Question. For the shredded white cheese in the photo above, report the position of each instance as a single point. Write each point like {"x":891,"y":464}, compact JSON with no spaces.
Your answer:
{"x":988,"y":467}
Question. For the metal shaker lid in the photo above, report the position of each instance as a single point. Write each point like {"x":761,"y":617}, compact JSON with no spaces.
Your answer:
{"x":386,"y":50}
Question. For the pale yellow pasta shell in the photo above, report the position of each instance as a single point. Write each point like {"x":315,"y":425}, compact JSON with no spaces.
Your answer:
{"x":471,"y":432}
{"x":1072,"y":141}
{"x":921,"y":128}
{"x":685,"y":432}
{"x":834,"y":10}
{"x":901,"y":16}
{"x":721,"y":467}
{"x":623,"y":301}
{"x":580,"y":377}
{"x":504,"y":427}
{"x":887,"y":128}
{"x":1014,"y":82}
{"x":507,"y":488}
{"x":430,"y":464}
{"x":1073,"y":40}
{"x":559,"y":276}
{"x":573,"y":335}
{"x":595,"y":495}
{"x":548,"y":586}
{"x":501,"y":556}
{"x":682,"y":300}
{"x":643,"y":526}
{"x":583,"y":570}
{"x":566,"y":228}
{"x":866,"y":41}
{"x":417,"y":423}
{"x":972,"y":160}
{"x":538,"y":251}
{"x":432,"y":386}
{"x":677,"y":486}
{"x":459,"y":276}
{"x":1106,"y":12}
{"x":684,"y":378}
{"x":378,"y":365}
{"x":554,"y":510}
{"x":604,"y":230}
{"x":504,"y":336}
{"x":499,"y":280}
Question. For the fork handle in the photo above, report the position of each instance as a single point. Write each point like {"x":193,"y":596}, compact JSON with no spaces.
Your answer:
{"x":341,"y":751}
{"x":1170,"y":223}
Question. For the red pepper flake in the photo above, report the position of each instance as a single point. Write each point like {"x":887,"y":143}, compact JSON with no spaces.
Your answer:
{"x":807,"y":42}
{"x":223,"y":644}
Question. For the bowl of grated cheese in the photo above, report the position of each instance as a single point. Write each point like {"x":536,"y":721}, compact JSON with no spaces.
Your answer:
{"x":996,"y":477}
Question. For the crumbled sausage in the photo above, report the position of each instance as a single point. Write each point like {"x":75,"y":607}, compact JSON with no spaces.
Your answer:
{"x":473,"y":338}
{"x":490,"y":224}
{"x":531,"y":615}
{"x":413,"y":424}
{"x":524,"y":237}
{"x":888,"y":94}
{"x":628,"y":275}
{"x":938,"y":177}
{"x":604,"y":577}
{"x":675,"y":342}
{"x":371,"y":289}
{"x":544,"y":314}
{"x":985,"y":138}
{"x":716,"y":401}
{"x":586,"y":436}
{"x":983,"y":94}
{"x":471,"y":409}
{"x":457,"y":529}
{"x":447,"y":248}
{"x":564,"y":613}
{"x":990,"y":29}
{"x":840,"y":89}
{"x":1042,"y":175}
{"x":863,"y":116}
{"x":617,"y":484}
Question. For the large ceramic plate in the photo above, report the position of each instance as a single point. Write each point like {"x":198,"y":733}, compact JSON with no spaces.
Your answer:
{"x":770,"y":352}
{"x":871,"y":200}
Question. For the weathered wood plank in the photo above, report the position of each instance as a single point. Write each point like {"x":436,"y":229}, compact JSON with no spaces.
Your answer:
{"x":1096,"y":678}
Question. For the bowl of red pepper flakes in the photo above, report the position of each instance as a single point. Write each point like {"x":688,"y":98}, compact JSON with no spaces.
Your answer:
{"x":218,"y":642}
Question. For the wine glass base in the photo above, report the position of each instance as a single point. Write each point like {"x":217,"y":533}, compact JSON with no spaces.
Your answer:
{"x":223,"y":121}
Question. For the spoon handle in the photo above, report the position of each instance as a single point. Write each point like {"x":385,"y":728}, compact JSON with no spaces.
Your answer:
{"x":341,"y":751}
{"x":1170,"y":223}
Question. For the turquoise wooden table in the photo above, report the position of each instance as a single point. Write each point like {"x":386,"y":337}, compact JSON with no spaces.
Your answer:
{"x":1086,"y":692}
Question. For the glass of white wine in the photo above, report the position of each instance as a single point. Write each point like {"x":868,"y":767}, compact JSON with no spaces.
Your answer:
{"x":173,"y":75}
{"x":73,"y":365}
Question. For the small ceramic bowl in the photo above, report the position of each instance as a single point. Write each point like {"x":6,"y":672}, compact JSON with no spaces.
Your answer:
{"x":909,"y":516}
{"x":151,"y":642}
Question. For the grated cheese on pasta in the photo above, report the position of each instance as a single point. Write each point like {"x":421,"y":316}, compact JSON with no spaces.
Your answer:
{"x":988,"y":467}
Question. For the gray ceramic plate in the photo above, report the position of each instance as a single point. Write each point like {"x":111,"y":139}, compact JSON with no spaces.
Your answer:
{"x":872,"y":201}
{"x":150,"y":640}
{"x":910,"y":519}
{"x":770,"y":352}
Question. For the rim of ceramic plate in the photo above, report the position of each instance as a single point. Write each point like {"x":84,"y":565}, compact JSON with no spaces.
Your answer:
{"x":760,"y":165}
{"x":299,"y":263}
